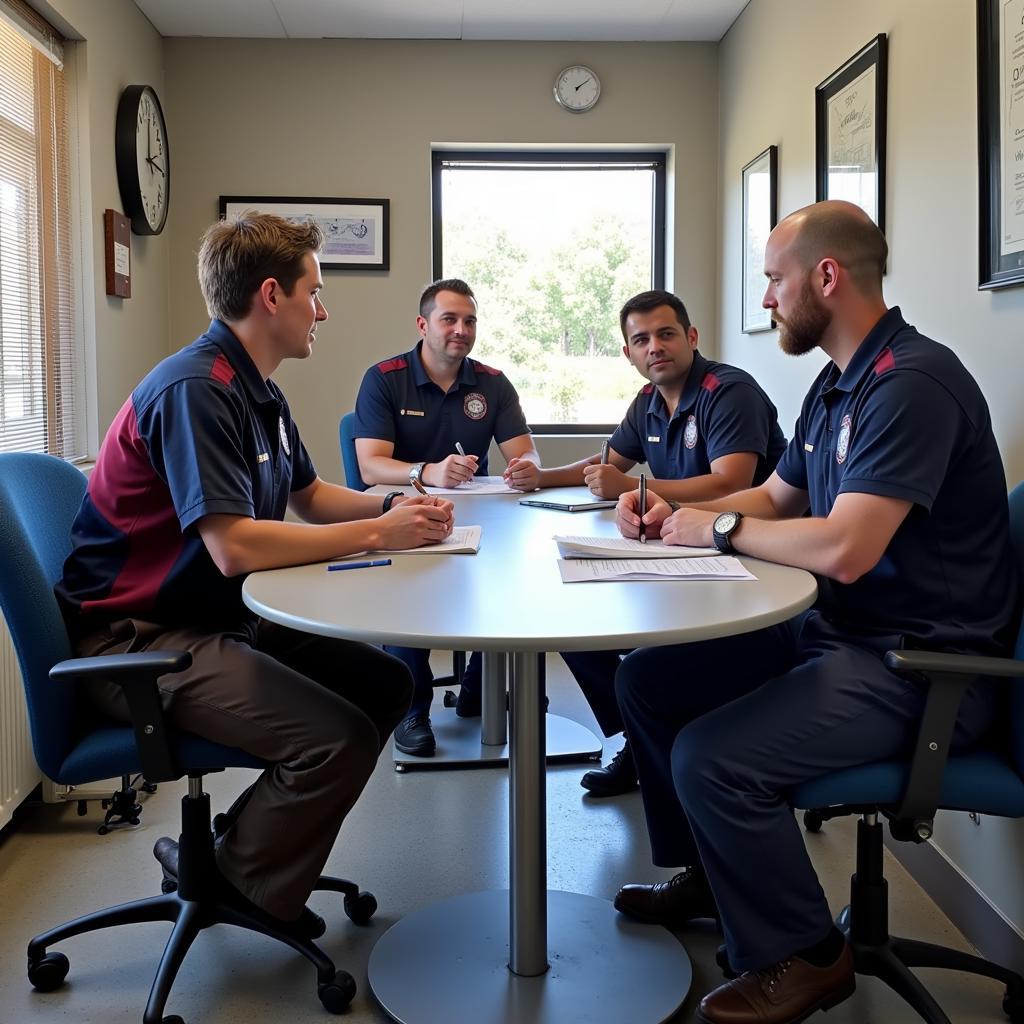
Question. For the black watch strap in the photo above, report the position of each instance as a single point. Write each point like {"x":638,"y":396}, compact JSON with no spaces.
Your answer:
{"x":389,"y":500}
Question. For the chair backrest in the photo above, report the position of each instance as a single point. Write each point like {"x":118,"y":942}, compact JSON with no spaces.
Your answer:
{"x":39,"y":497}
{"x":349,"y":462}
{"x":1017,"y":696}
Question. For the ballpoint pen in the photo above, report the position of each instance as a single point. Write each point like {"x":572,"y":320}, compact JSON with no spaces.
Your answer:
{"x":460,"y":449}
{"x":338,"y":566}
{"x":419,"y":487}
{"x":604,"y":453}
{"x":643,"y":507}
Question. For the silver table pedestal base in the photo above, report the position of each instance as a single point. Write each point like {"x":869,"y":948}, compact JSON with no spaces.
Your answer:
{"x":459,"y":743}
{"x":449,"y":962}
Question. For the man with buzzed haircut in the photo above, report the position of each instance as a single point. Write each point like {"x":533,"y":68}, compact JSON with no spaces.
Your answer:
{"x":894,"y":459}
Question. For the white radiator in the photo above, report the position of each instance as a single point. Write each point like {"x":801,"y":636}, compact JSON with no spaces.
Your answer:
{"x":19,"y":774}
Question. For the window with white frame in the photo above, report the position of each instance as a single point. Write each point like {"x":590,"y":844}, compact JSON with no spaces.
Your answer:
{"x":40,"y":357}
{"x":553,"y":244}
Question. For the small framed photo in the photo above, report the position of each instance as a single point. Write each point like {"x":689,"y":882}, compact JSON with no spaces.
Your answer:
{"x":356,"y":231}
{"x":760,"y":213}
{"x":1000,"y":143}
{"x":849,"y":142}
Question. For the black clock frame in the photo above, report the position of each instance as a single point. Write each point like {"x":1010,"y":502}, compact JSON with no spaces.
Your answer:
{"x":127,"y":159}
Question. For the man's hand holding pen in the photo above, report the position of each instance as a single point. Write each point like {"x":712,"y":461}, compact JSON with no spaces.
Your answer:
{"x":415,"y":521}
{"x":452,"y":471}
{"x":522,"y":474}
{"x":628,"y":515}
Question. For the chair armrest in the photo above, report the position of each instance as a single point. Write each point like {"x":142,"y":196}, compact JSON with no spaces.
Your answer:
{"x":137,"y":674}
{"x":947,"y":677}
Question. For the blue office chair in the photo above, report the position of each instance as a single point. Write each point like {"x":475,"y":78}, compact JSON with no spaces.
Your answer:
{"x":349,"y":462}
{"x":354,"y":479}
{"x":908,"y":793}
{"x":39,"y":496}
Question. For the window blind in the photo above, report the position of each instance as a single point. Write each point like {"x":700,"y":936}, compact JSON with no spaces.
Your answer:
{"x":40,"y":360}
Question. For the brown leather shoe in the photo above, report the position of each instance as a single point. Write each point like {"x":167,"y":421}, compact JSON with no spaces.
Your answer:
{"x":685,"y":897}
{"x":787,"y":993}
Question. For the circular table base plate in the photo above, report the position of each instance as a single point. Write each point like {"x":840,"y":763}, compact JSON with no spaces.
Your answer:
{"x":459,"y":746}
{"x":448,"y":963}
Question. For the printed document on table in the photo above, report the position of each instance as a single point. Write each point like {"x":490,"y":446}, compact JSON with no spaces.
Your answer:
{"x":478,"y":485}
{"x":621,"y":547}
{"x":463,"y":540}
{"x":604,"y":570}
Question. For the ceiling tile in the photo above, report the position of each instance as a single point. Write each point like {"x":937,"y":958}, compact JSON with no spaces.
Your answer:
{"x":371,"y":19}
{"x":249,"y":19}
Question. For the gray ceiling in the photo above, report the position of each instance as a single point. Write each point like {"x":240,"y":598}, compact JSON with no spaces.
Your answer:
{"x":576,"y":20}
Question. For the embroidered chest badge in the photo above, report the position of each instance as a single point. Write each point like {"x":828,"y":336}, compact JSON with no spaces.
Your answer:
{"x":284,"y":435}
{"x":690,"y":433}
{"x":475,"y":405}
{"x":843,"y":441}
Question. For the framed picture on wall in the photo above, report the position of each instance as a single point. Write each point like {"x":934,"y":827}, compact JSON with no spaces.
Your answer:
{"x":1001,"y":142}
{"x":849,"y":138}
{"x":356,"y":231}
{"x":760,"y":213}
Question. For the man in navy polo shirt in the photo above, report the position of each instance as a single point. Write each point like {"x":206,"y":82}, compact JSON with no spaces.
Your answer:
{"x":705,"y":429}
{"x":894,"y":459}
{"x":413,"y":414}
{"x":187,"y":497}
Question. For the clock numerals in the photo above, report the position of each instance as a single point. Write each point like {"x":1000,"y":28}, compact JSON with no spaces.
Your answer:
{"x":143,"y":168}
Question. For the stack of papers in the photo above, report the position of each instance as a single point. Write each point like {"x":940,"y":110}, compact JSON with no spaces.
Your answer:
{"x":602,"y":570}
{"x":463,"y":540}
{"x":621,"y":547}
{"x":478,"y":485}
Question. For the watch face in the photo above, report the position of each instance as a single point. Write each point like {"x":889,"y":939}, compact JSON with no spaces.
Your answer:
{"x":726,"y":522}
{"x":151,"y":159}
{"x":577,"y":88}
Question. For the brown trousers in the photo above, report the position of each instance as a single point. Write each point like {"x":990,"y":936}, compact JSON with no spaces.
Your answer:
{"x":318,"y":709}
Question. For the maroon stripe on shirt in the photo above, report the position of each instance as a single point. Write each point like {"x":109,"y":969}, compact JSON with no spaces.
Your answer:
{"x":222,"y":370}
{"x":126,"y":491}
{"x":710,"y":382}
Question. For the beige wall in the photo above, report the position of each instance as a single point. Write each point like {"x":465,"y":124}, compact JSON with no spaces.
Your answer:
{"x":770,"y":62}
{"x":357,"y":118}
{"x":116,"y":47}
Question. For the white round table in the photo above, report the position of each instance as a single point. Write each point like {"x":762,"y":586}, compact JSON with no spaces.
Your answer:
{"x":568,"y":958}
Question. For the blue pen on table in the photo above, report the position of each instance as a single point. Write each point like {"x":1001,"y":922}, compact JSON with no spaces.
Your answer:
{"x":338,"y":566}
{"x":643,"y":507}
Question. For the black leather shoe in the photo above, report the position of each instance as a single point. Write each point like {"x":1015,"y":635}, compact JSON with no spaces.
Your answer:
{"x":684,"y":897}
{"x":786,"y":993}
{"x":308,"y":925}
{"x":414,"y":736}
{"x":469,"y":703}
{"x":617,"y":777}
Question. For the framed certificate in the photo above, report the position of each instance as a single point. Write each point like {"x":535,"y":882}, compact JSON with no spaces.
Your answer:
{"x":760,"y":213}
{"x":849,"y":114}
{"x":1001,"y":143}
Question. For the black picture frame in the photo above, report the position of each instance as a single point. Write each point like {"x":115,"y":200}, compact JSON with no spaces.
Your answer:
{"x":760,"y":215}
{"x":850,"y":129}
{"x":356,"y":231}
{"x":1000,"y":148}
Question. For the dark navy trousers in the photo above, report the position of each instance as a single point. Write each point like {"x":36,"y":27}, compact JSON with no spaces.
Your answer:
{"x":722,"y":730}
{"x":595,"y":672}
{"x":418,"y":661}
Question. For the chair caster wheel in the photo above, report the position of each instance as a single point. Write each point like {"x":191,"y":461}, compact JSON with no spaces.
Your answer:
{"x":48,"y":973}
{"x":450,"y":698}
{"x":336,"y":995}
{"x":361,"y":908}
{"x":102,"y":830}
{"x":221,"y":823}
{"x":173,"y":1019}
{"x":168,"y":885}
{"x":813,"y":821}
{"x":722,"y":959}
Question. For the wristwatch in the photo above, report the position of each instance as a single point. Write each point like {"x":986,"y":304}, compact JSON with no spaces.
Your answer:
{"x":389,"y":500}
{"x":416,"y":472}
{"x":723,"y":528}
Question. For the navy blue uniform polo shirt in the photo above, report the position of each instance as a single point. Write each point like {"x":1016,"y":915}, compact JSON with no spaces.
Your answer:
{"x":722,"y":411}
{"x":906,"y":420}
{"x":203,"y":433}
{"x":398,"y":402}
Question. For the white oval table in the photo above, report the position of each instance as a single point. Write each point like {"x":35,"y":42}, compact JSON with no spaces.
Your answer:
{"x":528,"y":956}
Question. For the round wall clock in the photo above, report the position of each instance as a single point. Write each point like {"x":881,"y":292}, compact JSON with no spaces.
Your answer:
{"x":143,"y":159}
{"x":577,"y":88}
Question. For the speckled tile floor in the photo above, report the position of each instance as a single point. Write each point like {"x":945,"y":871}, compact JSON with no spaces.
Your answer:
{"x":414,"y":838}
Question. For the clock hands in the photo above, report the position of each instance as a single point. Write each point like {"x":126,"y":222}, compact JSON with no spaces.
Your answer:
{"x":152,"y":163}
{"x":583,"y":83}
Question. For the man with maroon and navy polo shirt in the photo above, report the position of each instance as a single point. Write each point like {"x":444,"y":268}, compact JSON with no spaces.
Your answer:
{"x":187,"y":497}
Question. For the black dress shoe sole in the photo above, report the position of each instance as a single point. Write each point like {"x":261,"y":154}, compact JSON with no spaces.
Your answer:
{"x":600,"y":790}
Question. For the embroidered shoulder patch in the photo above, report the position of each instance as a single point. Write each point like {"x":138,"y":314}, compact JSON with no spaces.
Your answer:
{"x":390,"y":365}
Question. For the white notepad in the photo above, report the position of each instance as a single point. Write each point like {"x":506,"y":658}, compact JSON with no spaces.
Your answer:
{"x":610,"y":570}
{"x":478,"y":485}
{"x":463,"y":540}
{"x":621,"y":547}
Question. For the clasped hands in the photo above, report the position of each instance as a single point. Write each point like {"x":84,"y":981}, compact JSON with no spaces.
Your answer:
{"x":686,"y":526}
